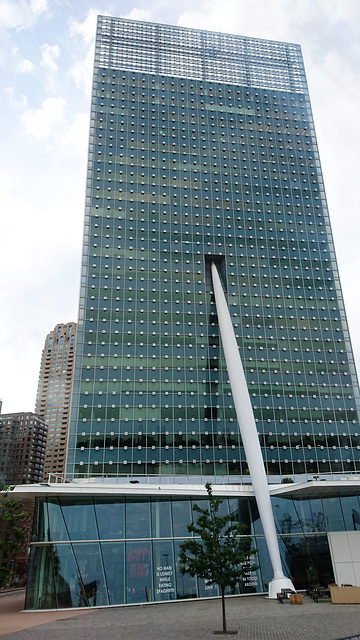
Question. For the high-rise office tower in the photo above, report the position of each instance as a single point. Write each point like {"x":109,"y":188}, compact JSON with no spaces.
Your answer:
{"x":22,"y":448}
{"x":203,"y":148}
{"x":54,"y":393}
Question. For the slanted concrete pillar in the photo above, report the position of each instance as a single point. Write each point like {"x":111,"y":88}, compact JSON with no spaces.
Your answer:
{"x":249,"y":434}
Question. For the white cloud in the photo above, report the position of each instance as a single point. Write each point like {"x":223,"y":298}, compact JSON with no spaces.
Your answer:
{"x":81,"y":71}
{"x":41,"y":122}
{"x":39,"y":263}
{"x":16,"y":100}
{"x":84,"y":33}
{"x":302,"y":21}
{"x":21,"y":14}
{"x":139,"y":14}
{"x":85,"y":29}
{"x":249,"y":17}
{"x":340,"y":10}
{"x":78,"y":133}
{"x":49,"y":54}
{"x":51,"y":123}
{"x":38,"y":6}
{"x":25,"y":66}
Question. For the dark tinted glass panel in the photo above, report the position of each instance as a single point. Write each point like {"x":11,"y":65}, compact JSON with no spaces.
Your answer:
{"x":40,"y":528}
{"x":92,"y":590}
{"x":114,"y":566}
{"x":164,"y":570}
{"x":263,"y":559}
{"x":311,"y":515}
{"x":181,"y":513}
{"x":296,"y":557}
{"x":40,"y":592}
{"x":308,"y":558}
{"x":285,"y":515}
{"x":251,"y":581}
{"x":110,"y":516}
{"x":319,"y":551}
{"x":138,"y":520}
{"x":79,"y":519}
{"x":56,"y":585}
{"x":139,"y":587}
{"x":186,"y":586}
{"x":206,"y":589}
{"x":239,"y":510}
{"x":55,"y":526}
{"x":257,"y":528}
{"x":333,"y":514}
{"x":203,"y":504}
{"x":66,"y":576}
{"x":161,"y":519}
{"x":223,"y":508}
{"x":351,"y":512}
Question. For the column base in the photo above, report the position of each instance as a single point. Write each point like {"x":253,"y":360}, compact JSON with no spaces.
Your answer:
{"x":277,"y":584}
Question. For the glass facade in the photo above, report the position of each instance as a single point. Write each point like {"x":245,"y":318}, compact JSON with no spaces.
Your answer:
{"x":109,"y":550}
{"x":202,"y":147}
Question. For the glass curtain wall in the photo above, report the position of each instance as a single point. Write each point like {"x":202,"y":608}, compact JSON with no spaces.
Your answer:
{"x":202,"y":147}
{"x":106,"y":551}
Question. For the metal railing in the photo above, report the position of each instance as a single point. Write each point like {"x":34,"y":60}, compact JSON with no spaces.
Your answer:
{"x":201,"y":480}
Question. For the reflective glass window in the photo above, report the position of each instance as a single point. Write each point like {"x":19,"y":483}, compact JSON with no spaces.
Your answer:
{"x":239,"y":510}
{"x":40,"y":528}
{"x":311,"y":515}
{"x":257,"y":528}
{"x":285,"y":515}
{"x":186,"y":586}
{"x":351,"y":512}
{"x":161,"y":519}
{"x":137,"y":519}
{"x":181,"y":513}
{"x":251,"y":582}
{"x":79,"y":518}
{"x":110,"y":516}
{"x":40,"y":582}
{"x":66,"y":576}
{"x":318,"y":547}
{"x":92,"y":590}
{"x":56,"y":529}
{"x":56,"y":583}
{"x":114,"y":567}
{"x":296,"y":558}
{"x":207,"y":590}
{"x":139,"y":586}
{"x":265,"y":572}
{"x":164,"y":570}
{"x":333,"y":514}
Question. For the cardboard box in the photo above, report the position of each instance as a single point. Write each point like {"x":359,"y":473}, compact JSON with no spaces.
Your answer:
{"x":296,"y":598}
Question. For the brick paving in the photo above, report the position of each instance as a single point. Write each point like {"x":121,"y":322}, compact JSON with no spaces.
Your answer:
{"x":253,"y":617}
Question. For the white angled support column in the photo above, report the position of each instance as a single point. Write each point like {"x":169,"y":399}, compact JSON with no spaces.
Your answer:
{"x":249,"y":434}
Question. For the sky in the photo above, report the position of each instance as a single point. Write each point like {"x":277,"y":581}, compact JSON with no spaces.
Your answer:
{"x":46,"y":58}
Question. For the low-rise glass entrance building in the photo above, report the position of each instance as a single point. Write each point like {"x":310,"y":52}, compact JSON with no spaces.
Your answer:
{"x":109,"y":545}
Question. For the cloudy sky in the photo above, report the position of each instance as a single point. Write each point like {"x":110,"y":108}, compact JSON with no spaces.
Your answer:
{"x":46,"y":53}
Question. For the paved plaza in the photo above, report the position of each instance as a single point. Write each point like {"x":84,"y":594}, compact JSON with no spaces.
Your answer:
{"x":253,"y":617}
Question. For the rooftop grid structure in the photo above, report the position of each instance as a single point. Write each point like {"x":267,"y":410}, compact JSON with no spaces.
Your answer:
{"x":202,"y":148}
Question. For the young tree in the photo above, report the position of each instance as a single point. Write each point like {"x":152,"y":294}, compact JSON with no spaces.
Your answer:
{"x":221,"y":557}
{"x":13,"y":535}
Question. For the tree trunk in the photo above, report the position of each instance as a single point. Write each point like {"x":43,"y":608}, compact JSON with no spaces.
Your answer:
{"x":223,"y":609}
